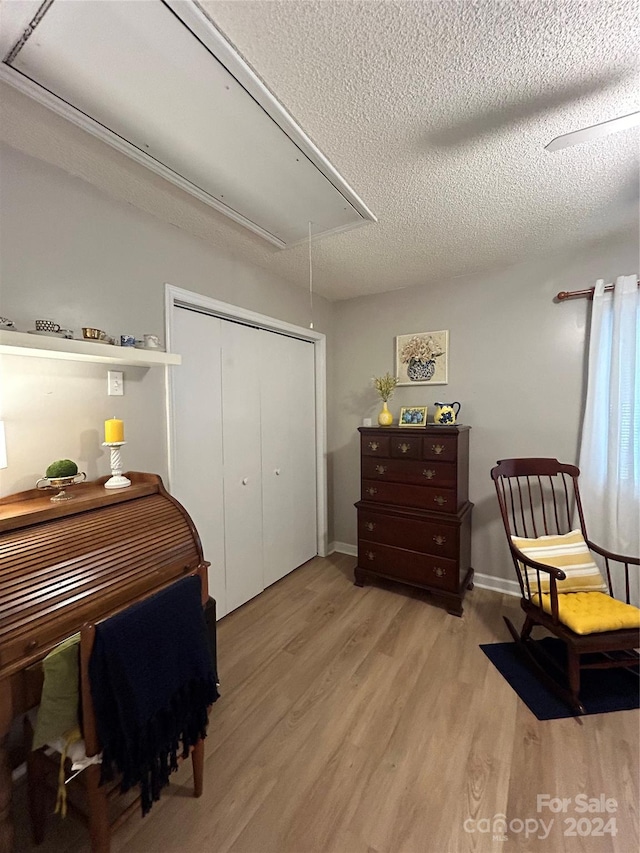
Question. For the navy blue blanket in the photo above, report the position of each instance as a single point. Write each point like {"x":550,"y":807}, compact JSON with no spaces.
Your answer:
{"x":152,"y":681}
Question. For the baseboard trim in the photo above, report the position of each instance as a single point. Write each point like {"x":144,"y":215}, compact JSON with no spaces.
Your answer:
{"x":508,"y":587}
{"x":343,"y":548}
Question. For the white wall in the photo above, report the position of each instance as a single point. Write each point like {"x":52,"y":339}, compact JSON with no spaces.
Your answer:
{"x":71,"y":253}
{"x":516,"y":364}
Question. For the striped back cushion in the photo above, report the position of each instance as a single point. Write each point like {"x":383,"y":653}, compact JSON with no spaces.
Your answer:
{"x":568,"y":552}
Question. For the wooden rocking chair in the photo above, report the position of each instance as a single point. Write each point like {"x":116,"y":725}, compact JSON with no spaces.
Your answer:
{"x":538,"y":499}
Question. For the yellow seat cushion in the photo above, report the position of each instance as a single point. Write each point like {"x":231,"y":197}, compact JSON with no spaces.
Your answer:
{"x":568,"y":552}
{"x":592,"y":612}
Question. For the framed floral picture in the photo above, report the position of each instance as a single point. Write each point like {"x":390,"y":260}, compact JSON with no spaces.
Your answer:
{"x":413,"y":416}
{"x":422,"y":358}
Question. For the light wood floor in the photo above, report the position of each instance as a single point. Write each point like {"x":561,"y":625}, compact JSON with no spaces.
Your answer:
{"x":369,"y":721}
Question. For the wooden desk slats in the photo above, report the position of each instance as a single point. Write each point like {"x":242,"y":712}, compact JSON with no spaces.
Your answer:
{"x":62,"y":564}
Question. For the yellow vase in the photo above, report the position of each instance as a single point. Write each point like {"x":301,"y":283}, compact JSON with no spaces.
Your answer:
{"x":385,"y":418}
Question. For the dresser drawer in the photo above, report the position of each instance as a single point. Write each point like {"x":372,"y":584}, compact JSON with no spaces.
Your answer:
{"x":443,"y":448}
{"x":406,"y":447}
{"x":374,"y":445}
{"x":427,"y":537}
{"x":399,"y":494}
{"x":409,"y":566}
{"x":415,"y":472}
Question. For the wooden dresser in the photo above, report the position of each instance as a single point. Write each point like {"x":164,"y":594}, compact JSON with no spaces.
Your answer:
{"x":414,"y":516}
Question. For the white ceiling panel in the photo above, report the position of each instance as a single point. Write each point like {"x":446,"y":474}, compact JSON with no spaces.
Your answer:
{"x":138,"y":71}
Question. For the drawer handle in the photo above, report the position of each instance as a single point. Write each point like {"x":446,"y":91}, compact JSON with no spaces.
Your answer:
{"x":374,"y":445}
{"x":31,"y":645}
{"x":404,"y":447}
{"x":437,"y":448}
{"x":372,"y":491}
{"x":380,"y":469}
{"x":429,"y":473}
{"x":370,"y":525}
{"x":439,"y":571}
{"x":440,"y":500}
{"x":371,"y":556}
{"x":439,"y":540}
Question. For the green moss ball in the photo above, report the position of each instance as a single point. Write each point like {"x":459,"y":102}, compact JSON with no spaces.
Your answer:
{"x":62,"y":468}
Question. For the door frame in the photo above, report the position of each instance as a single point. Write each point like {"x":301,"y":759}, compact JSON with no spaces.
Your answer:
{"x":177,"y":297}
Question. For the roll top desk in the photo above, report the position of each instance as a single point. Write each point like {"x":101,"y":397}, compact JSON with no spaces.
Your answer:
{"x":63,"y":564}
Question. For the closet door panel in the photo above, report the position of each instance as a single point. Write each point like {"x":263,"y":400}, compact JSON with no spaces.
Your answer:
{"x":302,"y":447}
{"x":288,"y":454}
{"x":197,"y":465}
{"x":242,"y":462}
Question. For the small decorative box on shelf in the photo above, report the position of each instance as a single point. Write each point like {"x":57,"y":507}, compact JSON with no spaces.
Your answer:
{"x":414,"y":516}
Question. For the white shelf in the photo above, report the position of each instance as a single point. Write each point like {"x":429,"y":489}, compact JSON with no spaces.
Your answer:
{"x":20,"y":343}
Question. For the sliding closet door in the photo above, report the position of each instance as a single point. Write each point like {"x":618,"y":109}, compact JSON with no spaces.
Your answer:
{"x":197,"y":430}
{"x":287,"y":410}
{"x":244,"y":450}
{"x":241,"y":360}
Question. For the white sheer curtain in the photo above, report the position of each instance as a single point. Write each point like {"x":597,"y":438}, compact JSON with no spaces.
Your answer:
{"x":610,"y":448}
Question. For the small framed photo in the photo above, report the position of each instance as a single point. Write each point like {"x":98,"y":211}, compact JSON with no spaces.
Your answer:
{"x":413,"y":416}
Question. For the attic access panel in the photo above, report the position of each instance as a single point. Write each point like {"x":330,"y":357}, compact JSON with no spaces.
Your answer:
{"x":157,"y":80}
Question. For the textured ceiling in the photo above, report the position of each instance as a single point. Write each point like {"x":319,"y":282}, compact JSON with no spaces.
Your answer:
{"x":436,"y":113}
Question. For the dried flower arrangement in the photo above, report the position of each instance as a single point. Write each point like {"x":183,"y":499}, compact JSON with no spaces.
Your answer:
{"x":420,"y":347}
{"x":385,"y":385}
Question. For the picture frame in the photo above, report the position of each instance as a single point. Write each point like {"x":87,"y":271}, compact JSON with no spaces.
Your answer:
{"x":413,"y":416}
{"x":422,"y":358}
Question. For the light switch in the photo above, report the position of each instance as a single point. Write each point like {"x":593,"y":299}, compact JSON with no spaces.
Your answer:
{"x":115,"y":383}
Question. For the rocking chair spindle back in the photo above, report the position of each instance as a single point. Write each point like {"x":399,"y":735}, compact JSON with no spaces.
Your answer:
{"x":541,"y":497}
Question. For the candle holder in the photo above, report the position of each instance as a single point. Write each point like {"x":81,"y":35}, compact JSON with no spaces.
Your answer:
{"x":117,"y":480}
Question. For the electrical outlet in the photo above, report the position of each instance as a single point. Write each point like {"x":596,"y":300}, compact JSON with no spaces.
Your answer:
{"x":115,"y":383}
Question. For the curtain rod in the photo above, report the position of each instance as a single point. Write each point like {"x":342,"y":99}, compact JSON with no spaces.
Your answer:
{"x":574,"y":294}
